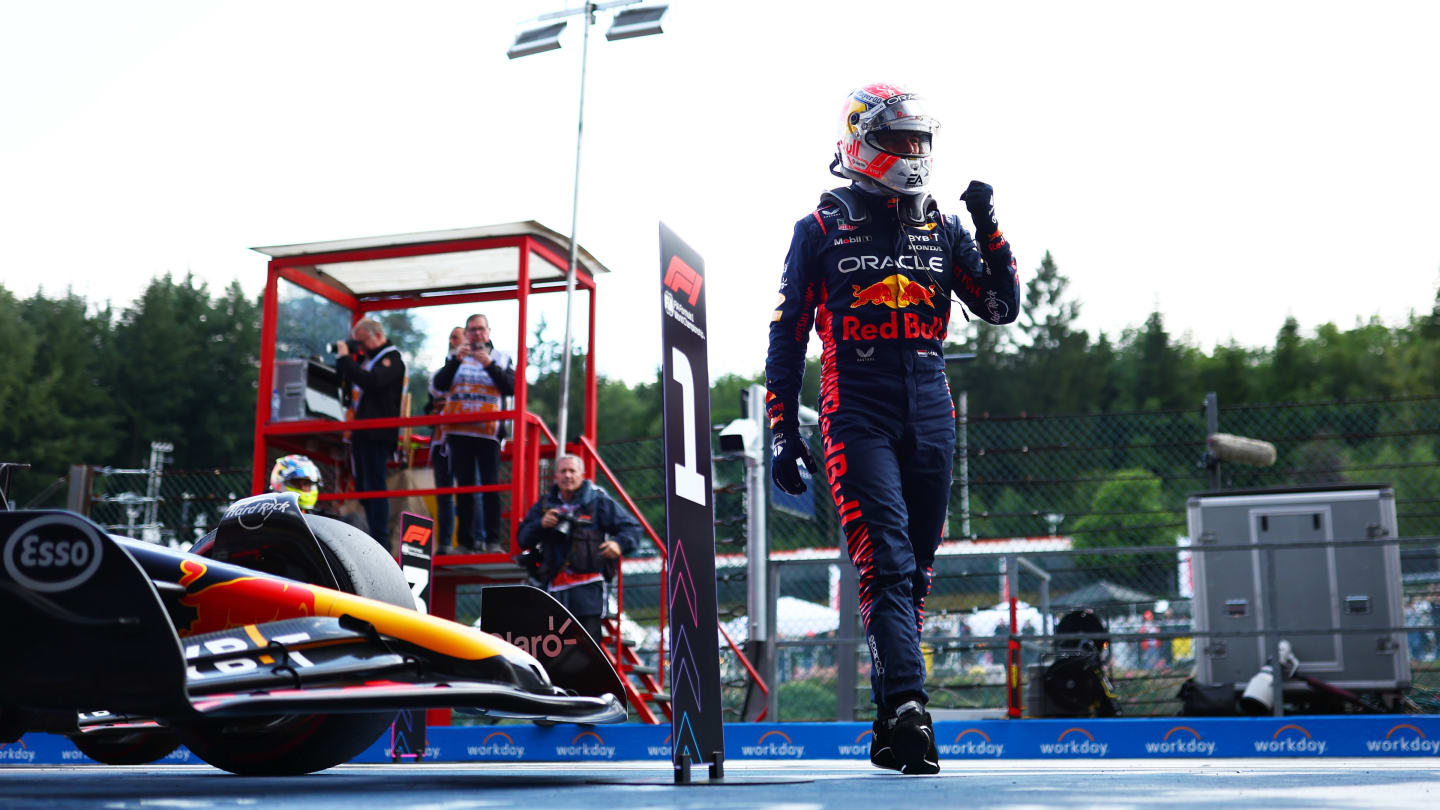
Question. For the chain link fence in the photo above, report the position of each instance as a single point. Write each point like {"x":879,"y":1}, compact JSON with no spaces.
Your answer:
{"x":170,"y":507}
{"x":1098,"y":481}
{"x":1038,"y":485}
{"x":1049,"y":488}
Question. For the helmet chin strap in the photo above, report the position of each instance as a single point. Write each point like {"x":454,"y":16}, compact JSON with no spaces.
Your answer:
{"x":866,"y":184}
{"x":911,"y":208}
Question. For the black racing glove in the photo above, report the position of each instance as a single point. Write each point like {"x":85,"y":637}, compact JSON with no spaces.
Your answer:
{"x":979,"y":199}
{"x":787,"y":448}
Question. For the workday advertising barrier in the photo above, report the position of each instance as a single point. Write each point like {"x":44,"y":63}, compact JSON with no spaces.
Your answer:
{"x":1151,"y":738}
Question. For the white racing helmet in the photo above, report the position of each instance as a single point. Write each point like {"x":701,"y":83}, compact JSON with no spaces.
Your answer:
{"x":885,"y":138}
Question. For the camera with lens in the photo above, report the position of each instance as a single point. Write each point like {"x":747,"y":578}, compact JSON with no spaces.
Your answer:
{"x":355,"y":346}
{"x":582,"y":548}
{"x":568,"y":523}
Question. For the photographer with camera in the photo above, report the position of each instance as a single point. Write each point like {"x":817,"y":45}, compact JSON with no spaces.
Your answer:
{"x":580,"y":534}
{"x":374,"y":366}
{"x":476,"y":379}
{"x":440,"y":456}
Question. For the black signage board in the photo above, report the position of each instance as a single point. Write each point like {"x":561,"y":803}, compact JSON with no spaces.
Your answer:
{"x":697,"y":735}
{"x":532,"y":620}
{"x":417,"y":555}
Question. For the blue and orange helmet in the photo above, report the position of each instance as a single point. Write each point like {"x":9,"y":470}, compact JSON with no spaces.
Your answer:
{"x":299,"y":475}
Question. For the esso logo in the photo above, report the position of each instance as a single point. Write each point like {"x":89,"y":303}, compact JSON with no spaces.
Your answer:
{"x":52,"y":553}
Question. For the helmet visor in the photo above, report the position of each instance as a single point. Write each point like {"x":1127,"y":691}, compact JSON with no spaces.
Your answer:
{"x":308,"y":494}
{"x":909,"y":143}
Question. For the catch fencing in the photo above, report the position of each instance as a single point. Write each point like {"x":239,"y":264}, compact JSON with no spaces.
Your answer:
{"x":1049,"y":488}
{"x":187,"y":503}
{"x":1096,"y":501}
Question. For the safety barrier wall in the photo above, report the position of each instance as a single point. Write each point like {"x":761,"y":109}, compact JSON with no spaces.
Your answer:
{"x":1186,"y":738}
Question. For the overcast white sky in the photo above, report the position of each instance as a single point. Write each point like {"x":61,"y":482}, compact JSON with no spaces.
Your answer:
{"x":1230,"y":163}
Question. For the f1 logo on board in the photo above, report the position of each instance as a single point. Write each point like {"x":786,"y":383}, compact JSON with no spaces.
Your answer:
{"x":52,"y":553}
{"x":417,"y":535}
{"x":682,"y":278}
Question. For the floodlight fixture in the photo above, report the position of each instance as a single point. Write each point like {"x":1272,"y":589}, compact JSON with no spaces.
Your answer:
{"x":636,"y":22}
{"x":629,"y":23}
{"x":537,"y":40}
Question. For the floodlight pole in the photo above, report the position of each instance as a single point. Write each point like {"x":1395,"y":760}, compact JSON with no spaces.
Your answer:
{"x":962,"y":436}
{"x":563,"y":417}
{"x":588,"y":11}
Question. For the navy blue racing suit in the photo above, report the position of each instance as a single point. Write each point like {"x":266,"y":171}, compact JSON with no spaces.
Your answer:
{"x":878,"y":293}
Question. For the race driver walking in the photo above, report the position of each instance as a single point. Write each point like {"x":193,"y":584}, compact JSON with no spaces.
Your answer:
{"x":873,"y":268}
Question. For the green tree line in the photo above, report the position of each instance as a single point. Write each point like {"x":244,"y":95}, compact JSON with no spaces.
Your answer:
{"x":89,"y":384}
{"x":82,"y":382}
{"x":1045,"y":364}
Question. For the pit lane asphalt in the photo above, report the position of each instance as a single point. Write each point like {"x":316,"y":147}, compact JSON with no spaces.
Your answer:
{"x":1294,"y":784}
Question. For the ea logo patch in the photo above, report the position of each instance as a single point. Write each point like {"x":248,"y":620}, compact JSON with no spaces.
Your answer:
{"x":52,"y":553}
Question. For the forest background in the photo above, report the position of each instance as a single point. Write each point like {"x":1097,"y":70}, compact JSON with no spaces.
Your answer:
{"x":87,"y":383}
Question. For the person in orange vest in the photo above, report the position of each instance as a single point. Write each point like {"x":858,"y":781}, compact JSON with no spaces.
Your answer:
{"x":476,"y":379}
{"x":440,"y":457}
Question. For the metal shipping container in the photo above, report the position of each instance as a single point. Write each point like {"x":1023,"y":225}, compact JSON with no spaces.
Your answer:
{"x":1353,"y":588}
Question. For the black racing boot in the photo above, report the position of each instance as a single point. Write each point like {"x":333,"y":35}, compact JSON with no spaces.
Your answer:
{"x":881,"y":754}
{"x":912,"y":740}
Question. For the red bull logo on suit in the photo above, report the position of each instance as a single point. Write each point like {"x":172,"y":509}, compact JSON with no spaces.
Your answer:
{"x":896,"y":292}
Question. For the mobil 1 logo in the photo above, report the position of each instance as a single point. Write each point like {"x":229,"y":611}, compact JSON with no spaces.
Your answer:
{"x":52,"y":552}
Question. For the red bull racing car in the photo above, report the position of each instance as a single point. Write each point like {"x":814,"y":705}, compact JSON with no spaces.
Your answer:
{"x":282,"y":643}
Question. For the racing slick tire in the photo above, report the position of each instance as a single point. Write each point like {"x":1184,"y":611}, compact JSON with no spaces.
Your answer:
{"x":127,"y":748}
{"x":296,"y":744}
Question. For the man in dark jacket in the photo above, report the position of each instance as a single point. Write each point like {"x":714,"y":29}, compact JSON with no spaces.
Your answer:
{"x":580,"y":533}
{"x":379,"y":380}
